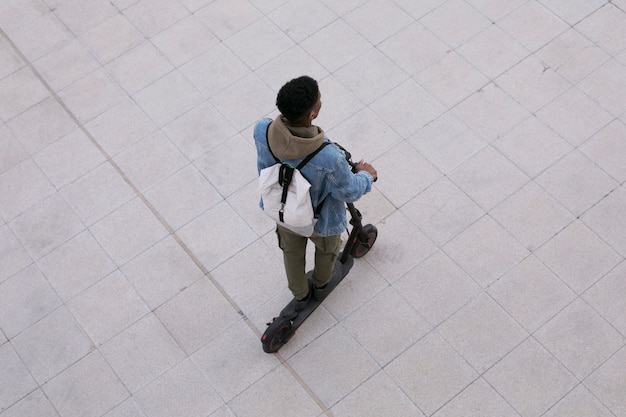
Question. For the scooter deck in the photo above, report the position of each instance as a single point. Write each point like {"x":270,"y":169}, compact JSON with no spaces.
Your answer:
{"x":339,"y":272}
{"x":283,"y":327}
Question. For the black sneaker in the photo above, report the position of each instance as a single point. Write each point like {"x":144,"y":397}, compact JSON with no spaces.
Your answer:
{"x":320,"y":293}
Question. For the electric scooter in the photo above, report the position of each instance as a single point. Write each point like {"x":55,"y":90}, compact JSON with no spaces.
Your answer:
{"x":360,"y":240}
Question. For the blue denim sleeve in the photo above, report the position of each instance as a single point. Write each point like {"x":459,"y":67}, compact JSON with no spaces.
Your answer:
{"x":347,"y":186}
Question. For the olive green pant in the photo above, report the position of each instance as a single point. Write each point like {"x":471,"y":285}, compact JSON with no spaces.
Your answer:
{"x":294,"y":255}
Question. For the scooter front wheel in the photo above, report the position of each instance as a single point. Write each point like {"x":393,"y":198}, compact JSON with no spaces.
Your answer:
{"x":362,"y":247}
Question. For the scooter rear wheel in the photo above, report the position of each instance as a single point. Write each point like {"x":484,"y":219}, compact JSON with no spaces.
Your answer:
{"x":277,"y":334}
{"x":361,"y":248}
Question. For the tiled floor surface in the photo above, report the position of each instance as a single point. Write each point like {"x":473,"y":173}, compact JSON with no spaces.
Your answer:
{"x":137,"y":272}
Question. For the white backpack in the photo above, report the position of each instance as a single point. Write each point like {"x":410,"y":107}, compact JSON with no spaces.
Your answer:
{"x":286,"y":197}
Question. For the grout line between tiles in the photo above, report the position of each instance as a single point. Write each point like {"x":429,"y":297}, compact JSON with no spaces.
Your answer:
{"x":163,"y":222}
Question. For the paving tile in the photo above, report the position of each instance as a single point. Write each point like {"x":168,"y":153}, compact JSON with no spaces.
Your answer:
{"x":16,"y":382}
{"x":120,"y":127}
{"x":447,"y":142}
{"x":139,"y":67}
{"x":608,"y":220}
{"x":88,"y":388}
{"x":580,"y":338}
{"x":365,"y":135}
{"x":347,"y":365}
{"x":578,"y":256}
{"x":40,"y":35}
{"x":76,"y":265}
{"x":418,"y":9}
{"x":533,"y":25}
{"x":233,"y":369}
{"x":150,"y":160}
{"x":399,"y":255}
{"x":128,"y":231}
{"x":406,"y":173}
{"x":486,"y":251}
{"x":51,"y":345}
{"x":576,"y":182}
{"x":46,"y":226}
{"x":98,"y":193}
{"x":152,"y":17}
{"x":574,"y":116}
{"x":197,"y":314}
{"x":477,"y":112}
{"x":390,"y":400}
{"x":607,"y":383}
{"x":183,"y":196}
{"x":111,"y":38}
{"x":225,"y":18}
{"x":607,"y":297}
{"x":437,"y":288}
{"x":339,"y":104}
{"x":496,"y":9}
{"x":361,"y":76}
{"x":25,"y":298}
{"x":217,"y":167}
{"x":442,"y":211}
{"x":250,"y":90}
{"x":532,"y":216}
{"x":13,"y":256}
{"x":579,"y":400}
{"x":531,"y":293}
{"x":572,"y":11}
{"x":252,"y":276}
{"x":455,"y":22}
{"x":393,"y":336}
{"x":20,"y":91}
{"x":451,"y":79}
{"x":532,"y":84}
{"x":41,"y":125}
{"x":425,"y":48}
{"x":571,"y":54}
{"x":300,"y":19}
{"x":199,"y":130}
{"x":185,"y":40}
{"x":9,"y":59}
{"x":530,"y":379}
{"x":108,"y":307}
{"x":128,"y":408}
{"x":252,"y":214}
{"x":605,"y":149}
{"x":161,"y":272}
{"x":431,"y":373}
{"x":35,"y":405}
{"x":92,"y":95}
{"x":291,"y":63}
{"x":15,"y":13}
{"x":168,"y":98}
{"x":493,"y":51}
{"x":182,"y":391}
{"x":68,"y":158}
{"x":80,"y":15}
{"x":278,"y":394}
{"x":11,"y":151}
{"x":605,"y":28}
{"x":482,"y":332}
{"x":141,"y":353}
{"x":488,"y":178}
{"x":200,"y":235}
{"x":54,"y":69}
{"x":389,"y":23}
{"x":477,"y":400}
{"x":532,"y":146}
{"x":353,"y":44}
{"x":607,"y":85}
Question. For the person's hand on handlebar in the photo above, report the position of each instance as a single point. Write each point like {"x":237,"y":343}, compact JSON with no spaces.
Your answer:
{"x":367,"y":167}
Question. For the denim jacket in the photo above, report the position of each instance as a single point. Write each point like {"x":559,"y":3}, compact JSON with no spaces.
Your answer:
{"x":332,"y":181}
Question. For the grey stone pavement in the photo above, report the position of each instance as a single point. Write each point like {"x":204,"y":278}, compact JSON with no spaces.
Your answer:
{"x":137,"y":272}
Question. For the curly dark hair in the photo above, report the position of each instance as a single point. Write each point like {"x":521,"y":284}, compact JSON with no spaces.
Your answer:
{"x":296,"y":98}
